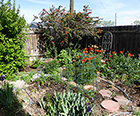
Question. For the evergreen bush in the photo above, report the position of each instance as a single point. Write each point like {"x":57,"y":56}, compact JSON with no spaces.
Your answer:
{"x":12,"y":39}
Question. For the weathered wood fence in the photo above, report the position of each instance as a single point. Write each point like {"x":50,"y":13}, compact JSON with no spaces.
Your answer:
{"x":35,"y":45}
{"x":124,"y":38}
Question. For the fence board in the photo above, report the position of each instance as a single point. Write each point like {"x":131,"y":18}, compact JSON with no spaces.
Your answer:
{"x":125,"y":37}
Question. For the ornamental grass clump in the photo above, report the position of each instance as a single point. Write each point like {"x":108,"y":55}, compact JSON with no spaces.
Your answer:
{"x":62,"y":29}
{"x":70,"y":104}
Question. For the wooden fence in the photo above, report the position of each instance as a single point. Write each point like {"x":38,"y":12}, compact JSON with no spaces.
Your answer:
{"x":124,"y":38}
{"x":35,"y":45}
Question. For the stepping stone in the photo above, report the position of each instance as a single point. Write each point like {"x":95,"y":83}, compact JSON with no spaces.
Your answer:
{"x":72,"y":83}
{"x":121,"y":100}
{"x":64,"y":79}
{"x":110,"y":105}
{"x":105,"y":93}
{"x":89,"y":87}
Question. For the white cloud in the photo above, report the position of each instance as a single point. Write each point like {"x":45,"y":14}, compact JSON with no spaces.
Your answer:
{"x":41,"y":2}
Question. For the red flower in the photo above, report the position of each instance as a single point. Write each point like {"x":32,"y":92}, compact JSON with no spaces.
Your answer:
{"x":77,"y":56}
{"x":90,"y":53}
{"x":90,"y":58}
{"x":73,"y":60}
{"x":44,"y":9}
{"x":94,"y":56}
{"x":110,"y":56}
{"x":90,"y":12}
{"x":66,"y":37}
{"x":121,"y":52}
{"x":113,"y":52}
{"x":130,"y":54}
{"x":61,"y":12}
{"x":84,"y":60}
{"x":65,"y":27}
{"x":57,"y":10}
{"x":88,"y":17}
{"x":86,"y":49}
{"x":66,"y":32}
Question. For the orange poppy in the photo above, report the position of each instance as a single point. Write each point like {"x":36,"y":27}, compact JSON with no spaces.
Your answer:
{"x":113,"y":52}
{"x":86,"y":49}
{"x":91,"y":49}
{"x":90,"y":53}
{"x":130,"y":54}
{"x":101,"y":51}
{"x":121,"y":52}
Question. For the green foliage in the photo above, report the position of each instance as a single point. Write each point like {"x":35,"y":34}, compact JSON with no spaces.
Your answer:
{"x":6,"y":96}
{"x":73,"y":104}
{"x":106,"y":23}
{"x":11,"y":39}
{"x":64,"y":58}
{"x":36,"y":63}
{"x":24,"y":76}
{"x":124,"y":68}
{"x":137,"y":22}
{"x":50,"y":67}
{"x":62,"y":29}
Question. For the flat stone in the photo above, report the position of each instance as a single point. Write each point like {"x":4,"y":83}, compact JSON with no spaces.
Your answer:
{"x":19,"y":84}
{"x":89,"y":87}
{"x":122,"y":100}
{"x":105,"y":93}
{"x":110,"y":105}
{"x":35,"y":76}
{"x":72,"y":83}
{"x":64,"y":79}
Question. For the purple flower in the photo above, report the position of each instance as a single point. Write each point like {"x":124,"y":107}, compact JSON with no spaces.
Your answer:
{"x":89,"y":109}
{"x":2,"y":75}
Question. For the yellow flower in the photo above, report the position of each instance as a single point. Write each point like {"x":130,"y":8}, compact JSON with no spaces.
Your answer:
{"x":44,"y":37}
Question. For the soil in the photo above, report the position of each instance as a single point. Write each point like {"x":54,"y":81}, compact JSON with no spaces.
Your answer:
{"x":133,"y":92}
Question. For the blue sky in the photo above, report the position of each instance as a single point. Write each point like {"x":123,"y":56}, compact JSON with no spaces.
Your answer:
{"x":127,"y":10}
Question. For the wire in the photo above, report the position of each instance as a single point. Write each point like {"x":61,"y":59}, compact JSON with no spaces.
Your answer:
{"x":105,"y":8}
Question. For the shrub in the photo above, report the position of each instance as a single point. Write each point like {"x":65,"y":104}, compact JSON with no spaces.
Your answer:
{"x":61,"y":29}
{"x":11,"y":39}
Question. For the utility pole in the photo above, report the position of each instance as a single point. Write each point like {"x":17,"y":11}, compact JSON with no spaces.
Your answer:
{"x":115,"y":19}
{"x":71,"y":6}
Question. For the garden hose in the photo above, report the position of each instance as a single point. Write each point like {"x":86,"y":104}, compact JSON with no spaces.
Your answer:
{"x":122,"y":113}
{"x":123,"y":92}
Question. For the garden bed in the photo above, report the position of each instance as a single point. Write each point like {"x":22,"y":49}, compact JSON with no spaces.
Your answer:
{"x":133,"y":93}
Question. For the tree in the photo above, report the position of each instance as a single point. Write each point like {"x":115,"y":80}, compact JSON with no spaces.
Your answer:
{"x":106,"y":23}
{"x":137,"y":22}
